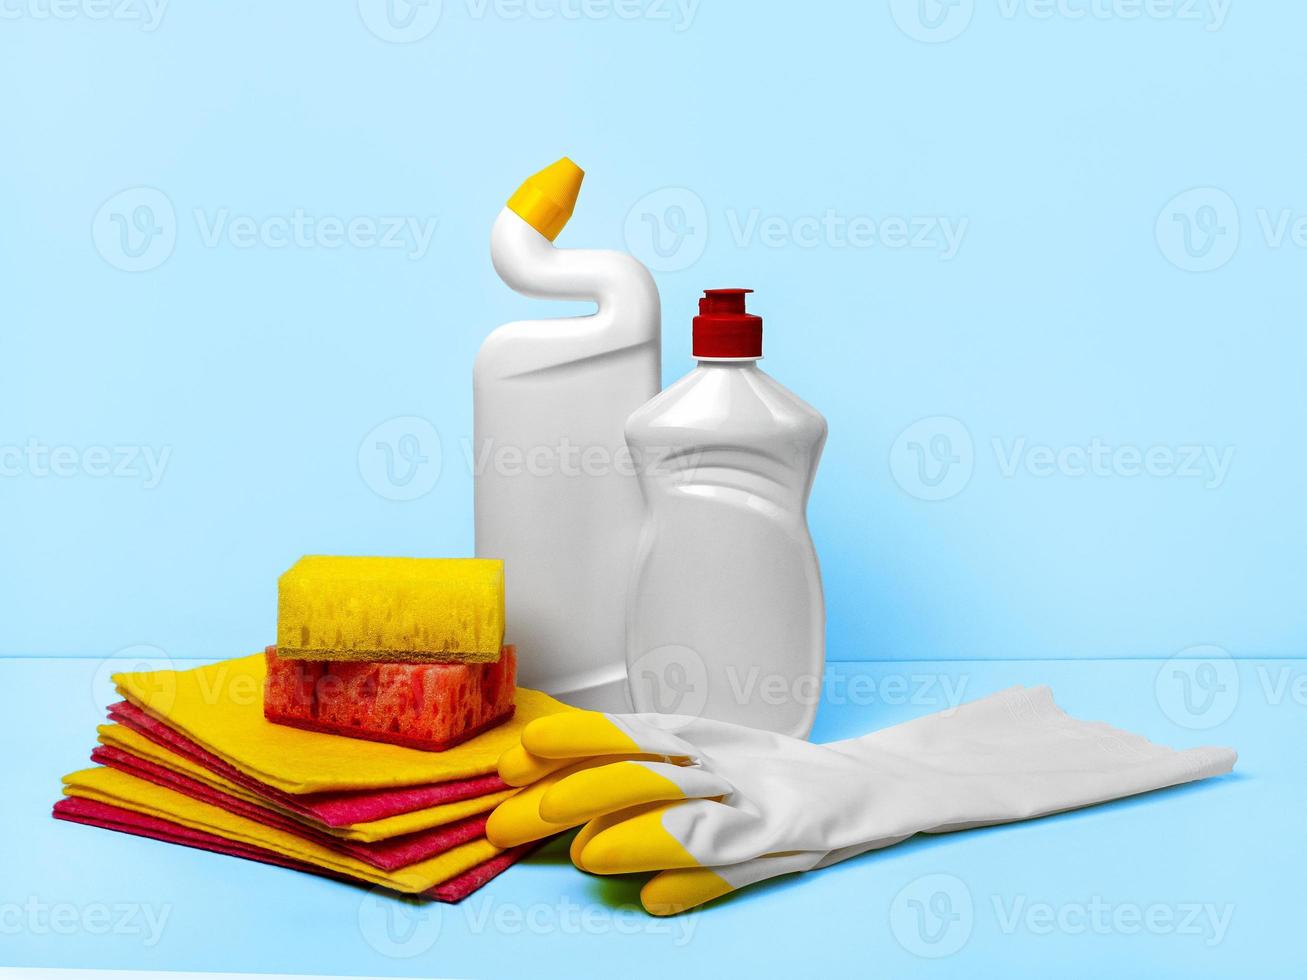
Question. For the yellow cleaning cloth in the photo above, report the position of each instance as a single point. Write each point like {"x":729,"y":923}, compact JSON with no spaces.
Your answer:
{"x":396,"y":610}
{"x":370,"y":831}
{"x":220,"y":707}
{"x":119,"y":789}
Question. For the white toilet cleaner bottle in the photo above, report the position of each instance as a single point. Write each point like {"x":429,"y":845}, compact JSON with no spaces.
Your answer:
{"x":725,"y":617}
{"x":556,"y":493}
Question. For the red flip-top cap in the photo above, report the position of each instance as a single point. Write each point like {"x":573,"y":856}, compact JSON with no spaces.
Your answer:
{"x":723,"y":328}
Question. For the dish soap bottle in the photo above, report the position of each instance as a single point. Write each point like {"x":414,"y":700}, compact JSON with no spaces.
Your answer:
{"x":725,"y":617}
{"x":556,"y":495}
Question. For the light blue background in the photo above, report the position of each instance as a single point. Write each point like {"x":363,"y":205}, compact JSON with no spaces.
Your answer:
{"x":1068,"y":314}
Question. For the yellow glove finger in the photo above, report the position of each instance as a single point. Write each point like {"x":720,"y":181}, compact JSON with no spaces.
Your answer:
{"x":517,"y":820}
{"x":573,"y":734}
{"x":518,"y":767}
{"x":590,"y":793}
{"x":638,"y":842}
{"x":672,"y":892}
{"x":597,"y":826}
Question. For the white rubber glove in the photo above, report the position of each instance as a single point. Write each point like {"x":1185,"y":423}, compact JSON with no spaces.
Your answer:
{"x":716,"y":806}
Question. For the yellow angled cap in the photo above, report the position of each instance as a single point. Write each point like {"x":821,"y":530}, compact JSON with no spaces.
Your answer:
{"x":545,"y":200}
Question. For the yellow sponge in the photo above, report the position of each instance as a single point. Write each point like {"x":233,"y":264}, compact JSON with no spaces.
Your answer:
{"x":402,"y":610}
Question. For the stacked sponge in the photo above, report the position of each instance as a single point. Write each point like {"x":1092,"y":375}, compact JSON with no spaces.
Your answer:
{"x":406,"y":610}
{"x":244,"y":757}
{"x":403,"y":650}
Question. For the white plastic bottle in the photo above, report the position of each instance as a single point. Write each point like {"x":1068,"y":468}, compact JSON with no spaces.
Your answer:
{"x":556,"y":494}
{"x":726,"y":618}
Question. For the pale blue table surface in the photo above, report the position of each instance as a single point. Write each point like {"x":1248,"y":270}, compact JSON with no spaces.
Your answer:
{"x":1201,"y":881}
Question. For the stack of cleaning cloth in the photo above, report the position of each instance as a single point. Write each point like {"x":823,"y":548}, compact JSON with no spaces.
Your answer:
{"x":239,"y":757}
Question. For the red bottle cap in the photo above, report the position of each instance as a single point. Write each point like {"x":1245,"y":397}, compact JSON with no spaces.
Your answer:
{"x":723,"y":328}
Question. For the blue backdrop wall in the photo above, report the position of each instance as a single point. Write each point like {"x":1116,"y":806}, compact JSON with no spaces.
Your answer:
{"x":1040,"y":263}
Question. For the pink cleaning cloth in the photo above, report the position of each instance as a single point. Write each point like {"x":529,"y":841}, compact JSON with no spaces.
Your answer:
{"x":328,"y":809}
{"x":388,"y":855}
{"x":93,"y":814}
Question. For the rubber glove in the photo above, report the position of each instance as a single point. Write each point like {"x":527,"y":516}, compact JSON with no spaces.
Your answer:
{"x":716,"y":806}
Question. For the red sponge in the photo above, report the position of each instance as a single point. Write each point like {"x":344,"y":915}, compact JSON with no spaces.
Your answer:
{"x":423,"y":706}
